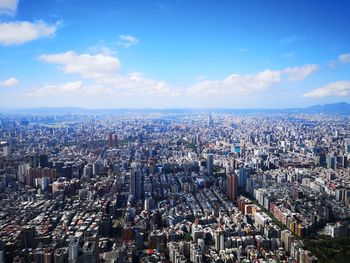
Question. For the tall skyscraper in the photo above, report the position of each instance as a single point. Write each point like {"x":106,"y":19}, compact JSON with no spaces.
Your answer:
{"x":198,"y":138}
{"x":242,"y":179}
{"x":210,"y":164}
{"x":110,"y":140}
{"x":210,"y":121}
{"x":232,"y":186}
{"x":136,"y":184}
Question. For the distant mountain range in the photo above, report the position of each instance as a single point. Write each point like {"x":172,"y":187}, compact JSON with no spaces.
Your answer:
{"x":341,"y":108}
{"x":334,"y":108}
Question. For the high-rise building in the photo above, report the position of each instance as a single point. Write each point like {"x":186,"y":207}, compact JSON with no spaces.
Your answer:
{"x":219,"y":239}
{"x":198,"y":139}
{"x":61,"y":255}
{"x":232,"y":186}
{"x":27,"y":237}
{"x":97,"y":167}
{"x":242,"y":179}
{"x":115,"y":139}
{"x":332,"y":162}
{"x":87,"y":171}
{"x":44,"y":160}
{"x":322,"y":160}
{"x":110,"y":140}
{"x":136,"y":184}
{"x":229,"y":186}
{"x":347,"y":145}
{"x":2,"y":252}
{"x":90,"y":254}
{"x":4,"y":149}
{"x":33,"y":160}
{"x":287,"y":239}
{"x":210,"y":164}
{"x":38,"y":255}
{"x":73,"y":251}
{"x":210,"y":121}
{"x":48,"y":256}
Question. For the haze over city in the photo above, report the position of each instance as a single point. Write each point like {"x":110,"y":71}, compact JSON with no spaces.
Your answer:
{"x":173,"y":54}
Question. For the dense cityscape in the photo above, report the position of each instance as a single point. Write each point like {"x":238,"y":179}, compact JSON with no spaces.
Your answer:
{"x":163,"y":187}
{"x":174,"y":131}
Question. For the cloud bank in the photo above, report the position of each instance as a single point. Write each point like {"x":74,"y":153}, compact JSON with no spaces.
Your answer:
{"x":335,"y":89}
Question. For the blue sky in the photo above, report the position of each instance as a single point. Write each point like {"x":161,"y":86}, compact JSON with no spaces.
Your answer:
{"x":173,"y":53}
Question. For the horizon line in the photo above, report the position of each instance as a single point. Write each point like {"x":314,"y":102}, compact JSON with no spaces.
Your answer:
{"x":164,"y":108}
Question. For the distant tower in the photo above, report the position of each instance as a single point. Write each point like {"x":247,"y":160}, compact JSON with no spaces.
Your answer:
{"x":136,"y":184}
{"x":210,"y":164}
{"x":115,"y":139}
{"x":198,"y":143}
{"x":229,"y":186}
{"x":234,"y":187}
{"x":198,"y":138}
{"x":110,"y":140}
{"x":210,"y":121}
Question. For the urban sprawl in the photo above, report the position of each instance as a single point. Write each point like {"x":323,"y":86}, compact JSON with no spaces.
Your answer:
{"x":171,"y":187}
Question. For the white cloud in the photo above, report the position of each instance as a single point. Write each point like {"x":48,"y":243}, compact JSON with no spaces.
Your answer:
{"x":237,"y":84}
{"x":16,"y":33}
{"x":88,"y":66}
{"x":300,"y":73}
{"x":136,"y":84}
{"x":335,"y":89}
{"x":131,"y":85}
{"x":8,"y":7}
{"x":69,"y":89}
{"x":103,"y":70}
{"x":127,"y":41}
{"x":344,"y":58}
{"x":9,"y":82}
{"x":102,"y":48}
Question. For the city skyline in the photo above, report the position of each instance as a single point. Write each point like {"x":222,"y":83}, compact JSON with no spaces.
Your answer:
{"x":173,"y":54}
{"x":175,"y":131}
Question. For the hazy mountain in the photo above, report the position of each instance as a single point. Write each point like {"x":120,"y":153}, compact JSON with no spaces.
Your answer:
{"x":334,"y":108}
